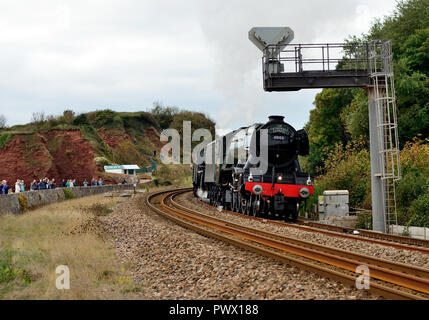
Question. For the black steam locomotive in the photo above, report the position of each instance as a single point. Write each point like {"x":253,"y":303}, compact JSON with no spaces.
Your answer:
{"x":224,"y":175}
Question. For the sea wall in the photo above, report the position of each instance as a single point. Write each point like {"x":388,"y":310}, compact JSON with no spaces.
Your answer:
{"x":18,"y":202}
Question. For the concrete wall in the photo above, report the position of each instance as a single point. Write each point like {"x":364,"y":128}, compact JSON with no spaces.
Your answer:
{"x":346,"y":221}
{"x":10,"y":203}
{"x":414,"y":232}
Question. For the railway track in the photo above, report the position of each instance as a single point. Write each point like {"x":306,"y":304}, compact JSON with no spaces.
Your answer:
{"x":424,"y":244}
{"x":398,"y":242}
{"x":389,"y":279}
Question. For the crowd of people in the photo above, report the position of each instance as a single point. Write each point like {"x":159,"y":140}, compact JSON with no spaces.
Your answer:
{"x":46,"y":183}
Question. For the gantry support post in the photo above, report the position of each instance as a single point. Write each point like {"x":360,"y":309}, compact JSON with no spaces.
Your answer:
{"x":378,"y":216}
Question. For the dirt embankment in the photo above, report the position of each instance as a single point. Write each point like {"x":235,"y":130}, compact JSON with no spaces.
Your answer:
{"x":114,"y":137}
{"x":70,"y":154}
{"x":59,"y":154}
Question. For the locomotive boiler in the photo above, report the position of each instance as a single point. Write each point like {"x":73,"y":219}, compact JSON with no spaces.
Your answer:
{"x":225,"y":176}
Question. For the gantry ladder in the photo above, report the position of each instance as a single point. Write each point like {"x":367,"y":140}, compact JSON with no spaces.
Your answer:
{"x":381,"y":75}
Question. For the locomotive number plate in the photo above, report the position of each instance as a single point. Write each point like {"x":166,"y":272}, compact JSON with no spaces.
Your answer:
{"x":279,"y":129}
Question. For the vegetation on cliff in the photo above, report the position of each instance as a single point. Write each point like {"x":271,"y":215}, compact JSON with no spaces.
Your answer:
{"x":53,"y":145}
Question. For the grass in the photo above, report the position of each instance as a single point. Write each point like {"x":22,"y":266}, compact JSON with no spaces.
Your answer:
{"x":66,"y":233}
{"x":175,"y":175}
{"x":90,"y":134}
{"x":5,"y":138}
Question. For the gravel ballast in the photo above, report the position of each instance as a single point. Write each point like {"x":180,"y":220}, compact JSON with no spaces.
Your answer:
{"x":168,"y":261}
{"x":385,"y":252}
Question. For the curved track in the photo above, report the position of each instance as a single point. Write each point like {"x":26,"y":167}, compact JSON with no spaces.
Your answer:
{"x":389,"y":279}
{"x":398,"y":242}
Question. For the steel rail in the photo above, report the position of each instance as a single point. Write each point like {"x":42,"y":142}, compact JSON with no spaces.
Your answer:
{"x":398,"y":242}
{"x":411,"y":277}
{"x":196,"y":224}
{"x":393,"y":265}
{"x":372,"y":234}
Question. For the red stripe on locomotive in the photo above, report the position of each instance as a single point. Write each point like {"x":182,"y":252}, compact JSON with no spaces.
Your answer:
{"x":288,"y":190}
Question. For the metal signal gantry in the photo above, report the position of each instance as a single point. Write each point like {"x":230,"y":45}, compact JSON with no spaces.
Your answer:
{"x":369,"y":65}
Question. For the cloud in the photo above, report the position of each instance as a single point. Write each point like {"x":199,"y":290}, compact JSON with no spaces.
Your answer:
{"x":238,"y":73}
{"x":127,"y":54}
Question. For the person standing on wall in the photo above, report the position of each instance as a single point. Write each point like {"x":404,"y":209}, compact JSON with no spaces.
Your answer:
{"x":5,"y":188}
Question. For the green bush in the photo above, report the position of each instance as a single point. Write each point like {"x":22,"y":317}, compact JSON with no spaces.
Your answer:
{"x":348,"y":168}
{"x":107,"y":118}
{"x":412,"y":191}
{"x":80,"y":120}
{"x":94,"y":139}
{"x":419,"y":211}
{"x":23,"y":203}
{"x":68,"y":194}
{"x":164,"y":115}
{"x":67,"y":117}
{"x":364,"y":220}
{"x":5,"y":138}
{"x":7,"y":271}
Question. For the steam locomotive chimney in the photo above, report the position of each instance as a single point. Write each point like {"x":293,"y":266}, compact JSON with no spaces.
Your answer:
{"x":276,"y":118}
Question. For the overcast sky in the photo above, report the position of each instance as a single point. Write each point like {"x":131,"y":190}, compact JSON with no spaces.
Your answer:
{"x":193,"y":54}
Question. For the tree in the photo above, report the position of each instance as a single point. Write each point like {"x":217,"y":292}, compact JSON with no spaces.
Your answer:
{"x":355,"y":116}
{"x":80,"y":120}
{"x":335,"y":111}
{"x":3,"y":121}
{"x":38,"y":117}
{"x":408,"y":29}
{"x":67,"y":117}
{"x":164,"y":115}
{"x":416,"y":49}
{"x":198,"y":121}
{"x":325,"y":127}
{"x":409,"y":16}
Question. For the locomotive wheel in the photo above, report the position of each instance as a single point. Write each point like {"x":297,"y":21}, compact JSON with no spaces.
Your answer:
{"x":225,"y":205}
{"x":256,"y":207}
{"x":240,"y":203}
{"x":249,"y":206}
{"x":234,"y":202}
{"x":246,"y":207}
{"x":254,"y":210}
{"x":295,"y":212}
{"x":292,"y":211}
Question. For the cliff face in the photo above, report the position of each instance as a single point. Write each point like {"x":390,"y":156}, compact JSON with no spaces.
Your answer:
{"x":79,"y":146}
{"x":54,"y":154}
{"x":73,"y":153}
